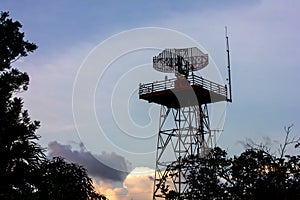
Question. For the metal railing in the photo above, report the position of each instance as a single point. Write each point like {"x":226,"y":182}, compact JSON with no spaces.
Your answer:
{"x":166,"y":84}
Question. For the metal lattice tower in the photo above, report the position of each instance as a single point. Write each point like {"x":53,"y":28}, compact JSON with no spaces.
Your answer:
{"x":184,"y":127}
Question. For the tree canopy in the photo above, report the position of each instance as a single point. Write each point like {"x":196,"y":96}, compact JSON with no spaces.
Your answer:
{"x":61,"y":180}
{"x":254,"y":174}
{"x":25,"y":172}
{"x":20,"y":154}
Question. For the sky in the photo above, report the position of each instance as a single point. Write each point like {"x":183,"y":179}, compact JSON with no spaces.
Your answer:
{"x":264,"y":46}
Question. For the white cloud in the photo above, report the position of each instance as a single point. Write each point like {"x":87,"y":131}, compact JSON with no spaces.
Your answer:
{"x":137,"y":185}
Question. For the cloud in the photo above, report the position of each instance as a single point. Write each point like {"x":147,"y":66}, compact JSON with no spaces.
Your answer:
{"x":137,"y":185}
{"x":115,"y":168}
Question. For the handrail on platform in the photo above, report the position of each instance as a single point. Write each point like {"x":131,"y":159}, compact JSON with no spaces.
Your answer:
{"x":168,"y":84}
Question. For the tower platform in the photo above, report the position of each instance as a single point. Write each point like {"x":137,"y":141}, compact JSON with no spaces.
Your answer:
{"x":183,"y":92}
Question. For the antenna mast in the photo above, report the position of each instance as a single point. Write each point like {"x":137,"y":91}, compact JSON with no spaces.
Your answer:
{"x":228,"y":65}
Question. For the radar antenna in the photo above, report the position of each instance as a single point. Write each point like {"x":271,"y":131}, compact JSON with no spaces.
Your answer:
{"x":180,"y":61}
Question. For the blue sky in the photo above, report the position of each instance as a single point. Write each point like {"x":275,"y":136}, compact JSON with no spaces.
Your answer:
{"x":264,"y":42}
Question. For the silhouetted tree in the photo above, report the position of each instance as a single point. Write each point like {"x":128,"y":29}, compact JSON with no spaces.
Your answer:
{"x":254,"y":174}
{"x":25,"y":173}
{"x":62,"y":180}
{"x":18,"y":150}
{"x":205,"y":177}
{"x":257,"y":174}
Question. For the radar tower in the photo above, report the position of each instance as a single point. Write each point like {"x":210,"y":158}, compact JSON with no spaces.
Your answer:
{"x":184,"y":126}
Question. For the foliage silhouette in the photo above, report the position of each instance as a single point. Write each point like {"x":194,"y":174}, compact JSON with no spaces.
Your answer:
{"x":19,"y":152}
{"x":25,"y":172}
{"x":254,"y":174}
{"x":62,"y":180}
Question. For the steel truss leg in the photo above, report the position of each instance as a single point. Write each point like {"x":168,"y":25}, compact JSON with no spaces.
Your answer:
{"x":183,"y":133}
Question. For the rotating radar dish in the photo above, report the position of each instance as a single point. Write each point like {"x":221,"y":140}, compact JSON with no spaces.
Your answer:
{"x":170,"y":60}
